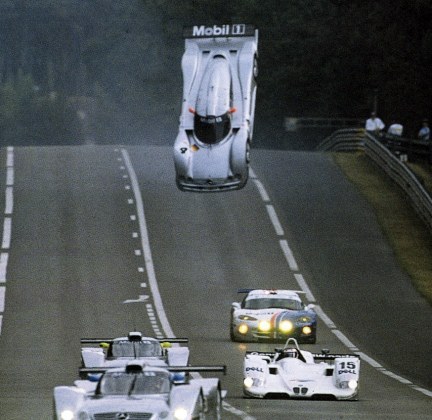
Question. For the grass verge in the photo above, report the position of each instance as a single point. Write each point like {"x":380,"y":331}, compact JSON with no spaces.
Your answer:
{"x":405,"y":231}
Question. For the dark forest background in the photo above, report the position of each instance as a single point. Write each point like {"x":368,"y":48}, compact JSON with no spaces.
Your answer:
{"x":109,"y":71}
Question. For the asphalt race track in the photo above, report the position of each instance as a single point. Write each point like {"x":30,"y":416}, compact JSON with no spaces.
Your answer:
{"x":97,"y":241}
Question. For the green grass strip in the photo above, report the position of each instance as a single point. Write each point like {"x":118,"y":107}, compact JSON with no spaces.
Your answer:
{"x":405,"y":231}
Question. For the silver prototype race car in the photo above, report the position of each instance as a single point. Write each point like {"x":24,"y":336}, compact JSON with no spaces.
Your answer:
{"x":272,"y":315}
{"x":137,"y":391}
{"x":211,"y":151}
{"x":293,"y":373}
{"x":117,"y":352}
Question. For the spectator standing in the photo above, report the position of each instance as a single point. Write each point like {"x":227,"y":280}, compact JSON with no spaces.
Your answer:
{"x":424,"y":133}
{"x":374,"y":125}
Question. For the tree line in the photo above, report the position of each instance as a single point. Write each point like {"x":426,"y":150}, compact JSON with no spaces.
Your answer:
{"x":110,"y":70}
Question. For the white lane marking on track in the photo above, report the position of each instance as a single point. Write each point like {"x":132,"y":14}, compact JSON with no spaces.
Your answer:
{"x":166,"y":327}
{"x":7,"y":226}
{"x":7,"y":230}
{"x":141,"y":298}
{"x":2,"y":298}
{"x":330,"y":324}
{"x":275,"y":220}
{"x":292,"y":263}
{"x":342,"y":337}
{"x":10,"y":156}
{"x":10,"y":175}
{"x":397,"y":377}
{"x":9,"y":200}
{"x":370,"y":361}
{"x":146,"y":246}
{"x":303,"y":286}
{"x":4,"y":257}
{"x":422,"y":390}
{"x":261,"y":190}
{"x":236,"y":412}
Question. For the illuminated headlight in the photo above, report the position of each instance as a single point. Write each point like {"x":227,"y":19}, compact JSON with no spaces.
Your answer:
{"x":250,"y":382}
{"x":264,"y":326}
{"x":352,"y":384}
{"x":307,"y":330}
{"x":305,"y":319}
{"x":67,"y":415}
{"x":180,"y":413}
{"x":286,"y":326}
{"x":243,"y":328}
{"x":247,"y":318}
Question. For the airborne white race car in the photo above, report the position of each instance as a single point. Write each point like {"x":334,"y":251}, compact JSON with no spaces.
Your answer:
{"x":293,"y":373}
{"x":211,"y":151}
{"x":118,"y":352}
{"x":137,"y":391}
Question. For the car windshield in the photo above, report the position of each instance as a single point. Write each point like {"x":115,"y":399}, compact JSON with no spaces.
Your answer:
{"x":142,"y":383}
{"x":212,"y":129}
{"x":144,"y":348}
{"x":261,"y":303}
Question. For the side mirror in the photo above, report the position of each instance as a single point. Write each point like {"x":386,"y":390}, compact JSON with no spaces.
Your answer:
{"x":235,"y":305}
{"x":310,"y":306}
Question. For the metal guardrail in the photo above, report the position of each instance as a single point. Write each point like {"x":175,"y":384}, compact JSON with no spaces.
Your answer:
{"x":297,"y":123}
{"x":350,"y":140}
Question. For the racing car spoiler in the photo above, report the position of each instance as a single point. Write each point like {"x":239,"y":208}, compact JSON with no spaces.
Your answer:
{"x":270,"y":290}
{"x":217,"y":368}
{"x":316,"y":356}
{"x":111,"y":340}
{"x":328,"y":356}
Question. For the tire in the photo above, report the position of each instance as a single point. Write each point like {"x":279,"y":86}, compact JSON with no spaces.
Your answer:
{"x":255,"y":67}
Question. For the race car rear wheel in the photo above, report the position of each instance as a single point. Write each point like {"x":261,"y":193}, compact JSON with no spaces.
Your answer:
{"x":247,"y":155}
{"x":255,"y":67}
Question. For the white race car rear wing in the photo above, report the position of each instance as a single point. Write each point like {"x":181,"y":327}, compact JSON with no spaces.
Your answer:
{"x":217,"y":368}
{"x":316,"y":356}
{"x":111,"y":340}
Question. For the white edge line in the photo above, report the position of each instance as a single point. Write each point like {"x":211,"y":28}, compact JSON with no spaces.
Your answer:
{"x":303,"y":286}
{"x":274,"y":219}
{"x":7,"y":227}
{"x":4,"y":257}
{"x":342,"y":337}
{"x":252,"y":173}
{"x":9,"y":200}
{"x":261,"y":190}
{"x":329,"y":323}
{"x":146,"y":247}
{"x":288,"y":255}
{"x":10,"y":176}
{"x":2,"y":298}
